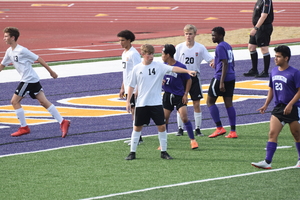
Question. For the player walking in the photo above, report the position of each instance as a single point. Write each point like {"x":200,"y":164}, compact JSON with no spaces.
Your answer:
{"x":22,"y":60}
{"x":285,"y":88}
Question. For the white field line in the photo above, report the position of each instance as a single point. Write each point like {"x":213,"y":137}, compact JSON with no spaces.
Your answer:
{"x":190,"y":182}
{"x":92,"y":143}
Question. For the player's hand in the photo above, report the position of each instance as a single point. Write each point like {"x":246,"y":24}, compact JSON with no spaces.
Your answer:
{"x":287,"y":110}
{"x":192,"y":73}
{"x":122,"y":94}
{"x":262,"y":109}
{"x":252,"y":32}
{"x":53,"y":74}
{"x":185,"y":99}
{"x":128,"y":107}
{"x":222,"y":87}
{"x":212,"y":64}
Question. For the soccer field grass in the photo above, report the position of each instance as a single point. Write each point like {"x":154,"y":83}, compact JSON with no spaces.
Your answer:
{"x":219,"y":169}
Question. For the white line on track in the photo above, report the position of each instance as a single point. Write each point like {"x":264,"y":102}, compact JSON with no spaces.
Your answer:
{"x":190,"y":182}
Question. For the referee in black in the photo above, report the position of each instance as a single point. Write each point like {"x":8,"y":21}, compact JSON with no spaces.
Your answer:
{"x":260,"y":36}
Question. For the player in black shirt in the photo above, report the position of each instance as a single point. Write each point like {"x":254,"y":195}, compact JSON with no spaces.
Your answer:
{"x":260,"y":36}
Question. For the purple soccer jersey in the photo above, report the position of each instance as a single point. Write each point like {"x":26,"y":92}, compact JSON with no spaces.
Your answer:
{"x":224,"y":51}
{"x":285,"y":85}
{"x":175,"y":82}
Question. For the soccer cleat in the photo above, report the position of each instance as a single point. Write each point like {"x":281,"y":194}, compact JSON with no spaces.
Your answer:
{"x":198,"y":132}
{"x":165,"y":155}
{"x":298,"y":164}
{"x":131,"y":156}
{"x":194,"y":144}
{"x":219,"y":131}
{"x":262,"y":164}
{"x":232,"y":134}
{"x":251,"y":73}
{"x":21,"y":131}
{"x":64,"y":126}
{"x":263,"y":74}
{"x":180,"y":132}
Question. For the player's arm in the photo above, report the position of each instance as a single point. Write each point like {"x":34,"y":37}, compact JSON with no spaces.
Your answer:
{"x":260,"y":22}
{"x":129,"y":95}
{"x":267,"y":102}
{"x":182,"y":71}
{"x":223,"y":75}
{"x":44,"y":64}
{"x":188,"y":85}
{"x":122,"y":91}
{"x":287,"y":110}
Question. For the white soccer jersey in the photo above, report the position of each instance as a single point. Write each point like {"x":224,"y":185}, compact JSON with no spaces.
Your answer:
{"x":130,"y":58}
{"x":192,"y":57}
{"x":22,"y":60}
{"x":148,"y":79}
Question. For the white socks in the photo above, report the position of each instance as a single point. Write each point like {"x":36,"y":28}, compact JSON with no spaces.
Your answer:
{"x":179,"y":121}
{"x":198,"y":119}
{"x":21,"y":116}
{"x":162,"y":136}
{"x":53,"y":111}
{"x":135,"y":137}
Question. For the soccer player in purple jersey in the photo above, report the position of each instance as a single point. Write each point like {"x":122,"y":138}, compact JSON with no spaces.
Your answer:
{"x":285,"y":88}
{"x":222,"y":84}
{"x":176,"y":87}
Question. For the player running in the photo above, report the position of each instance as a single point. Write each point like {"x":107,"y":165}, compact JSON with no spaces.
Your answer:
{"x":285,"y":88}
{"x":22,"y":60}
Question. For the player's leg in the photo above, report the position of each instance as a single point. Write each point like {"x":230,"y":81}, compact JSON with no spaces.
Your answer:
{"x":263,"y":41}
{"x":16,"y":103}
{"x":295,"y":130}
{"x":64,"y":124}
{"x":275,"y":128}
{"x":132,"y":103}
{"x":188,"y":126}
{"x":227,"y":97}
{"x":167,"y":117}
{"x":254,"y":57}
{"x":231,"y":117}
{"x":141,"y":117}
{"x":196,"y":96}
{"x":213,"y":93}
{"x":157,"y":115}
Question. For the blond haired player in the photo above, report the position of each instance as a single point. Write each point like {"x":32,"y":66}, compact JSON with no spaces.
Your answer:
{"x":191,"y":54}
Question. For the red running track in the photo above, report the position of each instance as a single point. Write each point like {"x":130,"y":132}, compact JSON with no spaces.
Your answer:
{"x":59,"y":31}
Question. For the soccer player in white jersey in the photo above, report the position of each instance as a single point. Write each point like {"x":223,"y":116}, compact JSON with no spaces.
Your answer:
{"x":130,"y":58}
{"x":22,"y":60}
{"x":148,"y":77}
{"x":191,"y":54}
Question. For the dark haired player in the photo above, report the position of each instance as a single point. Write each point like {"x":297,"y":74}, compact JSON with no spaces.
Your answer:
{"x":222,"y":84}
{"x":260,"y":36}
{"x":176,"y":87}
{"x":285,"y":89}
{"x":22,"y":60}
{"x":130,"y":58}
